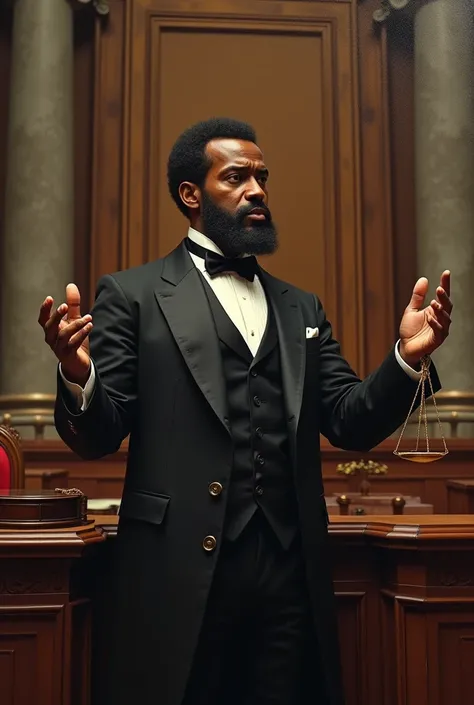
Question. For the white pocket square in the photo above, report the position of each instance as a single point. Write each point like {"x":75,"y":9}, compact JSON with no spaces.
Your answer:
{"x":312,"y":333}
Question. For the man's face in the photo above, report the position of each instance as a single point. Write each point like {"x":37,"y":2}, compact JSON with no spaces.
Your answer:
{"x":234,"y":211}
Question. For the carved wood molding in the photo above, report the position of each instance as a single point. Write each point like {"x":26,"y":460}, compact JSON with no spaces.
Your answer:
{"x":22,"y":577}
{"x":392,"y":534}
{"x":71,"y":543}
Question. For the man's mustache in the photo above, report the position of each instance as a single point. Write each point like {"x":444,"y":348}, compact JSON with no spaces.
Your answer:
{"x":243,"y":212}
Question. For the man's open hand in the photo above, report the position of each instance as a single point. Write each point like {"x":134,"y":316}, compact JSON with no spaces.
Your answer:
{"x":67,"y":334}
{"x":423,"y":329}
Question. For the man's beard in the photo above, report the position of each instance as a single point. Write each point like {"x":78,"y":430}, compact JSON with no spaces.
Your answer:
{"x":230,"y":233}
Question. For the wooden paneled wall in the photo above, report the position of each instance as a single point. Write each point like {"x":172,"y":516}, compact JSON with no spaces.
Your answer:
{"x":331,"y":97}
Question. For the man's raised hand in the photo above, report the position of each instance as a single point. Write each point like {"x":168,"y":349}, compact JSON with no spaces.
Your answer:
{"x":67,"y":334}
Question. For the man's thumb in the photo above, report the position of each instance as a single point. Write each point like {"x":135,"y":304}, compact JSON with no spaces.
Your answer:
{"x":73,"y":300}
{"x":420,"y":290}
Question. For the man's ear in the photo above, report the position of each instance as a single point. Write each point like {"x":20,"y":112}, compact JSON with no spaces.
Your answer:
{"x":190,"y":194}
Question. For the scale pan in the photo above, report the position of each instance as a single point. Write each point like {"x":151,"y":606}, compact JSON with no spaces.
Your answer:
{"x":418,"y":456}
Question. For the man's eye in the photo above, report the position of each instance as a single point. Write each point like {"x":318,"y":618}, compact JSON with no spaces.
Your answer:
{"x":263,"y":180}
{"x":233,"y":178}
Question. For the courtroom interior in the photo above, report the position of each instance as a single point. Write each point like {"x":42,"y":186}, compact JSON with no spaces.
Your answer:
{"x":364,"y":110}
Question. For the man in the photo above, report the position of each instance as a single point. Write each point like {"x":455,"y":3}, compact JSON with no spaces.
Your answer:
{"x":224,"y":377}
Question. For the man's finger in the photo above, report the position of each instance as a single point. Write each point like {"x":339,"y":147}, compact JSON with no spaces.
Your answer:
{"x":69,"y":330}
{"x":436,"y":325}
{"x":418,"y":296}
{"x":440,"y":314}
{"x":73,"y":300}
{"x":45,"y":311}
{"x":443,"y":300}
{"x":76,"y":340}
{"x":51,"y":327}
{"x":56,"y":316}
{"x":446,"y":281}
{"x":58,"y":331}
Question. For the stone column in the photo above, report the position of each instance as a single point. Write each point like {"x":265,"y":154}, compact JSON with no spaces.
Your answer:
{"x":444,"y":155}
{"x":444,"y":104}
{"x":38,"y":240}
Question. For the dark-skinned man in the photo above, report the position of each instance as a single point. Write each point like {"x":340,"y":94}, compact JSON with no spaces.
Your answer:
{"x":224,"y":377}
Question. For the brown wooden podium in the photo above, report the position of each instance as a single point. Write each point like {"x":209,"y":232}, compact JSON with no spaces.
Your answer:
{"x":405,"y":592}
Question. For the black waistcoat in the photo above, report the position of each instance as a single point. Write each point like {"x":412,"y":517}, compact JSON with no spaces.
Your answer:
{"x":261,"y":475}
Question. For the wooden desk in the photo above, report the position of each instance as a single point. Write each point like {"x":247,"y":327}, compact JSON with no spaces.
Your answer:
{"x":45,"y":616}
{"x":404,"y":586}
{"x":405,"y":591}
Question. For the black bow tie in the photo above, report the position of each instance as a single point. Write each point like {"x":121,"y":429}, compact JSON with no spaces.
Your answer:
{"x":246,"y":267}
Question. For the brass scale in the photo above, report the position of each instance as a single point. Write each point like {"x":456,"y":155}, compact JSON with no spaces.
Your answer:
{"x":422,"y":453}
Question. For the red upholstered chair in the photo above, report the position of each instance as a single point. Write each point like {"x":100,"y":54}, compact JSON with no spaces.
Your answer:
{"x":12,"y":470}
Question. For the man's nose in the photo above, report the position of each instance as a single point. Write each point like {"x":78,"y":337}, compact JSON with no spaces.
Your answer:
{"x":255,"y":191}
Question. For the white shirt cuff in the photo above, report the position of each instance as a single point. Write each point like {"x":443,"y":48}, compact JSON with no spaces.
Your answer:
{"x":414,"y":374}
{"x":82,"y":396}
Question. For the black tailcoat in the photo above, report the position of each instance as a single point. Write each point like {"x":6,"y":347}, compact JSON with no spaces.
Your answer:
{"x":160,"y":379}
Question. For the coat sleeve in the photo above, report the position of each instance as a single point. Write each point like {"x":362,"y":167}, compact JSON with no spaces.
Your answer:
{"x":109,"y":416}
{"x":358,"y":414}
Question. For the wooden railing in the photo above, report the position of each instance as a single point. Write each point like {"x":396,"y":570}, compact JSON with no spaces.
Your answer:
{"x":35,"y":413}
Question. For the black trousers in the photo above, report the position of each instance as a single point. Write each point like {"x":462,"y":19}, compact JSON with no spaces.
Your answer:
{"x":255,"y":637}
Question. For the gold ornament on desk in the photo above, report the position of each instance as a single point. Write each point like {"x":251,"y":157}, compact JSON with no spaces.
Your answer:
{"x":422,"y":453}
{"x":364,"y":469}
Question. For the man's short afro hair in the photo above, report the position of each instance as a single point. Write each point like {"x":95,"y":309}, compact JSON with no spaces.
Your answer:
{"x":188,"y":161}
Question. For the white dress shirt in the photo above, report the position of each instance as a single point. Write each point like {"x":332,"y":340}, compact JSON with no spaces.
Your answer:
{"x":244,"y":302}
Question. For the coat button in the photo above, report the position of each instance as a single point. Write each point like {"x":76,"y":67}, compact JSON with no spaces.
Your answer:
{"x":259,"y":490}
{"x":215,"y":488}
{"x":209,"y":543}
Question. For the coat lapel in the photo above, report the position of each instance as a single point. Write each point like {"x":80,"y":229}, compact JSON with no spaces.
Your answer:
{"x":291,"y":336}
{"x":184,"y":304}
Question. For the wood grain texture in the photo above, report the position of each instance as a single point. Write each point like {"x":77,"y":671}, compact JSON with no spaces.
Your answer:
{"x":411,"y":642}
{"x":45,"y":629}
{"x":460,"y":496}
{"x":404,"y":592}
